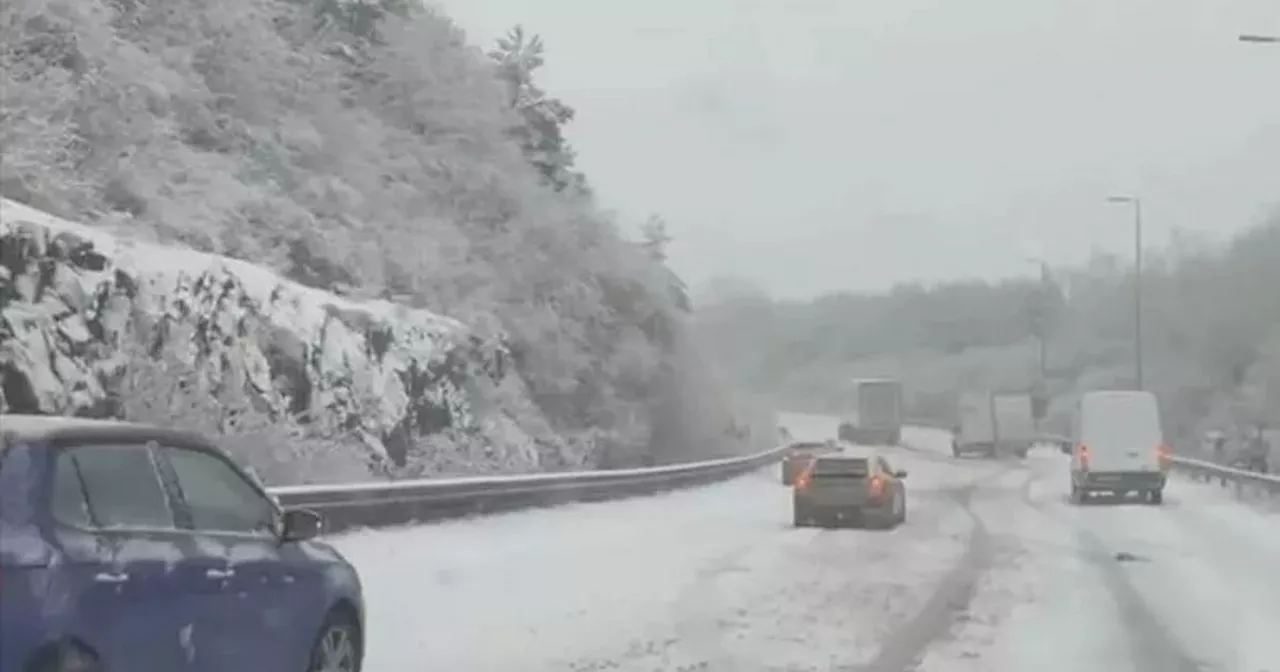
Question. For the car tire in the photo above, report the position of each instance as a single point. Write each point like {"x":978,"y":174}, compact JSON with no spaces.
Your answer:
{"x":902,"y":510}
{"x":1156,"y":497}
{"x":339,"y":646}
{"x":68,"y":657}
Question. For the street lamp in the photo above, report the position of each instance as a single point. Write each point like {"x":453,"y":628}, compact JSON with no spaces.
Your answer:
{"x":1260,"y":39}
{"x":1042,"y":329}
{"x":1136,"y":203}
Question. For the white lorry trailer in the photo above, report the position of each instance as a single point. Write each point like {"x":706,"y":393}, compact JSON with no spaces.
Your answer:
{"x":875,"y":416}
{"x":994,"y":424}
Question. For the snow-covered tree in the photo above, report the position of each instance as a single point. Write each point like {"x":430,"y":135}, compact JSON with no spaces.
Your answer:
{"x":541,"y":135}
{"x":366,"y":149}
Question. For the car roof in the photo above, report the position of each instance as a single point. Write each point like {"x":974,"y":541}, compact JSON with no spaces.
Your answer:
{"x":847,"y":456}
{"x":23,"y":428}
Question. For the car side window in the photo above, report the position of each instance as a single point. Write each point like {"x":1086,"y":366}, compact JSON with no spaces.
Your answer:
{"x":218,"y":497}
{"x":68,"y":501}
{"x":121,"y":485}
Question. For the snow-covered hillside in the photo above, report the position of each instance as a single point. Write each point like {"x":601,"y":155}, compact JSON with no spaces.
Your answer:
{"x":72,"y":297}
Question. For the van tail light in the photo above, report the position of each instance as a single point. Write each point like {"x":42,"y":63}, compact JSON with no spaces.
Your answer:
{"x":875,"y":487}
{"x":1082,"y":453}
{"x":1164,"y":454}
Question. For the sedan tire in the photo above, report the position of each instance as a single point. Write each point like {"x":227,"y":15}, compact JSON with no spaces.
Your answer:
{"x":338,"y":647}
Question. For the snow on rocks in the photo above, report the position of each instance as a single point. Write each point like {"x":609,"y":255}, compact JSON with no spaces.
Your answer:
{"x":69,"y":294}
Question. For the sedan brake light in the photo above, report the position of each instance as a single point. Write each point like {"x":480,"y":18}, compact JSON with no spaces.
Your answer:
{"x":875,"y":487}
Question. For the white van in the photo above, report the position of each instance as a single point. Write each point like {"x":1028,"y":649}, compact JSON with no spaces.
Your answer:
{"x":994,"y":424}
{"x":1119,"y":446}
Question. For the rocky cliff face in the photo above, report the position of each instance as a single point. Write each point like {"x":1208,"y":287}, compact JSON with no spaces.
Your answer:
{"x":74,"y":300}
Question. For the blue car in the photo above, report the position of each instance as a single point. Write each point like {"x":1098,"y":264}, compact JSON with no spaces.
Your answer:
{"x":128,"y":548}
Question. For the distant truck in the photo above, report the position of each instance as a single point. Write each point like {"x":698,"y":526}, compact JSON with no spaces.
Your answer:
{"x":875,"y":416}
{"x":995,"y":424}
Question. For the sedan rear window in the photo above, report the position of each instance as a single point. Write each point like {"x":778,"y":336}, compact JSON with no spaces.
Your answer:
{"x":845,"y":466}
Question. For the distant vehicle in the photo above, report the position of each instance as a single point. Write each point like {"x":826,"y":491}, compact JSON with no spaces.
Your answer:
{"x":800,"y":454}
{"x":130,"y":548}
{"x":1119,"y":446}
{"x":862,"y":490}
{"x":995,"y":424}
{"x":875,"y":416}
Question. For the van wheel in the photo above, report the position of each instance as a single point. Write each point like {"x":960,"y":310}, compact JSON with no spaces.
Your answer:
{"x":65,"y":657}
{"x":1077,"y":495}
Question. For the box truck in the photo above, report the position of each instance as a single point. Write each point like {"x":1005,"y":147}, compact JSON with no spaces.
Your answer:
{"x":874,"y":416}
{"x":995,"y":424}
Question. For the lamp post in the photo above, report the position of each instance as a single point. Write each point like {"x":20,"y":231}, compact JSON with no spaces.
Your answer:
{"x":1136,"y":204}
{"x":1042,"y":333}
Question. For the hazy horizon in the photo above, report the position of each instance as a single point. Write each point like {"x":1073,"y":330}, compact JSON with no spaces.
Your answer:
{"x":851,"y":146}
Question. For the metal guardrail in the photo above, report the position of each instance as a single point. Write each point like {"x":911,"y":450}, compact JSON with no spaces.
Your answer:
{"x":350,"y":506}
{"x":1241,"y":479}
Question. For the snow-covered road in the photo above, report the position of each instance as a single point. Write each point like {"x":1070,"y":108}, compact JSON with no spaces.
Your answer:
{"x":1192,"y":585}
{"x":993,"y":572}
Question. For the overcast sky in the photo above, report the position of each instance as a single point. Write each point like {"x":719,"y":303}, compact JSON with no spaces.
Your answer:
{"x":819,"y":145}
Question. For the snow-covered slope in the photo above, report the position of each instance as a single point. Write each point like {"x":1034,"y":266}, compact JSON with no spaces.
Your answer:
{"x":71,"y":296}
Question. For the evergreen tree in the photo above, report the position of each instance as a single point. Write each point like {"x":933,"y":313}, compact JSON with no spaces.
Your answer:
{"x":541,"y":136}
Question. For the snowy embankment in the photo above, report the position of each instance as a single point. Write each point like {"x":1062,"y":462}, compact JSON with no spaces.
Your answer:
{"x":73,"y":298}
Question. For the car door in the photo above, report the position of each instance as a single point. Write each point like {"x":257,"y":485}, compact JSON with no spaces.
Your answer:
{"x":144,"y":616}
{"x":269,"y":606}
{"x":84,"y":595}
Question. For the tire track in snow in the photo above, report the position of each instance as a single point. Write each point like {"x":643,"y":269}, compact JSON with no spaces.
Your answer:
{"x":813,"y":600}
{"x":906,"y":646}
{"x":1152,"y":647}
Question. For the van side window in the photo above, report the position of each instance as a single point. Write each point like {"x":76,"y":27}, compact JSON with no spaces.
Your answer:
{"x":122,"y":486}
